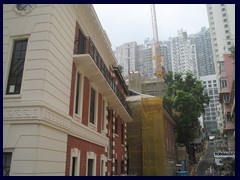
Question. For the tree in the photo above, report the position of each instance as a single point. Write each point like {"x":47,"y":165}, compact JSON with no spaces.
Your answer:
{"x":120,"y":68}
{"x":233,"y":52}
{"x":184,"y":97}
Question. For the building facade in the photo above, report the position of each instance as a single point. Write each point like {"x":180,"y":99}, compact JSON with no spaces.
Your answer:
{"x":166,"y":54}
{"x":202,"y":41}
{"x":64,"y":109}
{"x":227,"y":88}
{"x":153,"y":87}
{"x":126,"y":55}
{"x":212,"y":117}
{"x":221,"y":18}
{"x":183,"y":54}
{"x":151,"y":139}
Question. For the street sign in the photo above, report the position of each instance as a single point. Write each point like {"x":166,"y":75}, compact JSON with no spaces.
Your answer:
{"x":224,"y":154}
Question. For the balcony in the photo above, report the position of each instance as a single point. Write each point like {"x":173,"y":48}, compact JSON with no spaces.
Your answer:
{"x":88,"y":59}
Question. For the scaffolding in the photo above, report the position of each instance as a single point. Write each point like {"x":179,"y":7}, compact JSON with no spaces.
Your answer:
{"x":153,"y":137}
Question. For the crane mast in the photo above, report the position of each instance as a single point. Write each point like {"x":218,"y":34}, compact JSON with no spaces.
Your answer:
{"x":156,"y":50}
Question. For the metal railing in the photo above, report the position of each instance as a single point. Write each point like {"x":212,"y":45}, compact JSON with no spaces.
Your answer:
{"x":86,"y":46}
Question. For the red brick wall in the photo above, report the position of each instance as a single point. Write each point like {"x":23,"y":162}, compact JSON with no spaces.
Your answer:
{"x":84,"y":147}
{"x":119,"y":148}
{"x":86,"y":94}
{"x":168,"y":131}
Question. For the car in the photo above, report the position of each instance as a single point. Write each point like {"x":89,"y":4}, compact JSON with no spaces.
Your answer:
{"x":218,"y":164}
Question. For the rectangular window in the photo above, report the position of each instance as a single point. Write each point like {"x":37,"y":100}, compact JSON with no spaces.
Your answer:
{"x":90,"y":167}
{"x":122,"y":133}
{"x":222,"y":66}
{"x":77,"y":95}
{"x":7,"y":158}
{"x":102,"y":168}
{"x":74,"y":161}
{"x":109,"y":113}
{"x":116,"y":125}
{"x":103,"y":115}
{"x":108,"y":149}
{"x":226,"y":98}
{"x":223,"y":83}
{"x":80,"y":43}
{"x":122,"y":167}
{"x":116,"y":167}
{"x":92,"y":106}
{"x":16,"y":67}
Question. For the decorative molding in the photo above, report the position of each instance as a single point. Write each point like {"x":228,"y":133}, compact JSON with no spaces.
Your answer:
{"x":49,"y":117}
{"x":21,"y":113}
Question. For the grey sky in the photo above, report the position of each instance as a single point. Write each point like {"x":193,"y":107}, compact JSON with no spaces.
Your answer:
{"x":132,"y":22}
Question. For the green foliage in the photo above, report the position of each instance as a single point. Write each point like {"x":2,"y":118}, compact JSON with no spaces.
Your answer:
{"x":233,"y":52}
{"x":120,"y":68}
{"x":185,"y":99}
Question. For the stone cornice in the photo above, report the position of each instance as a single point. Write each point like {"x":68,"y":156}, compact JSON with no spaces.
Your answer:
{"x":44,"y":115}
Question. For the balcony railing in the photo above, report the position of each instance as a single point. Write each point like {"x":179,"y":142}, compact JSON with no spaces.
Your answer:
{"x":86,"y":46}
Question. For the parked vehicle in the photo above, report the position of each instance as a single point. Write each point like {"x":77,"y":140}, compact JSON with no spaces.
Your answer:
{"x":218,"y":164}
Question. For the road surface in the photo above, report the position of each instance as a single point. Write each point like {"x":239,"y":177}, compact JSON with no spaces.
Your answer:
{"x":206,"y":160}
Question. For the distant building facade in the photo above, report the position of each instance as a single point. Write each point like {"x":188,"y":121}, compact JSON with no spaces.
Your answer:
{"x":202,"y":41}
{"x":221,"y":18}
{"x":183,"y":54}
{"x":212,"y":117}
{"x":126,"y":55}
{"x":166,"y":54}
{"x":153,"y":87}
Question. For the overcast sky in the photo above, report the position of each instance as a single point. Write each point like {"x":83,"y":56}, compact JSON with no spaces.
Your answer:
{"x":132,"y":22}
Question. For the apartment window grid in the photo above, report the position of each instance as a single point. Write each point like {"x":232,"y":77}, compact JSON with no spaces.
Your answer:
{"x":16,"y":68}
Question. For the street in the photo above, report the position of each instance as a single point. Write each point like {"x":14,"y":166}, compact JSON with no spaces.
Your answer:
{"x":206,"y":161}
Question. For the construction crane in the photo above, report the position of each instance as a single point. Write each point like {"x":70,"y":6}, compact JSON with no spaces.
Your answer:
{"x":156,"y":50}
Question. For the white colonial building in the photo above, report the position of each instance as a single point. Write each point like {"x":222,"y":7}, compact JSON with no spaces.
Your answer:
{"x":64,"y":109}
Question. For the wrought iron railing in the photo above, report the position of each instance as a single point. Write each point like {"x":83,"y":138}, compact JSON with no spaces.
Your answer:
{"x":86,"y":46}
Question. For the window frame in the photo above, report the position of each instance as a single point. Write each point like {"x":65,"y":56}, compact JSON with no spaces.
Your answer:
{"x":122,"y":133}
{"x":103,"y":168}
{"x":80,"y":95}
{"x":116,"y":125}
{"x":10,"y":61}
{"x":94,"y":124}
{"x":223,"y":83}
{"x":75,"y":153}
{"x":103,"y":117}
{"x":91,"y":156}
